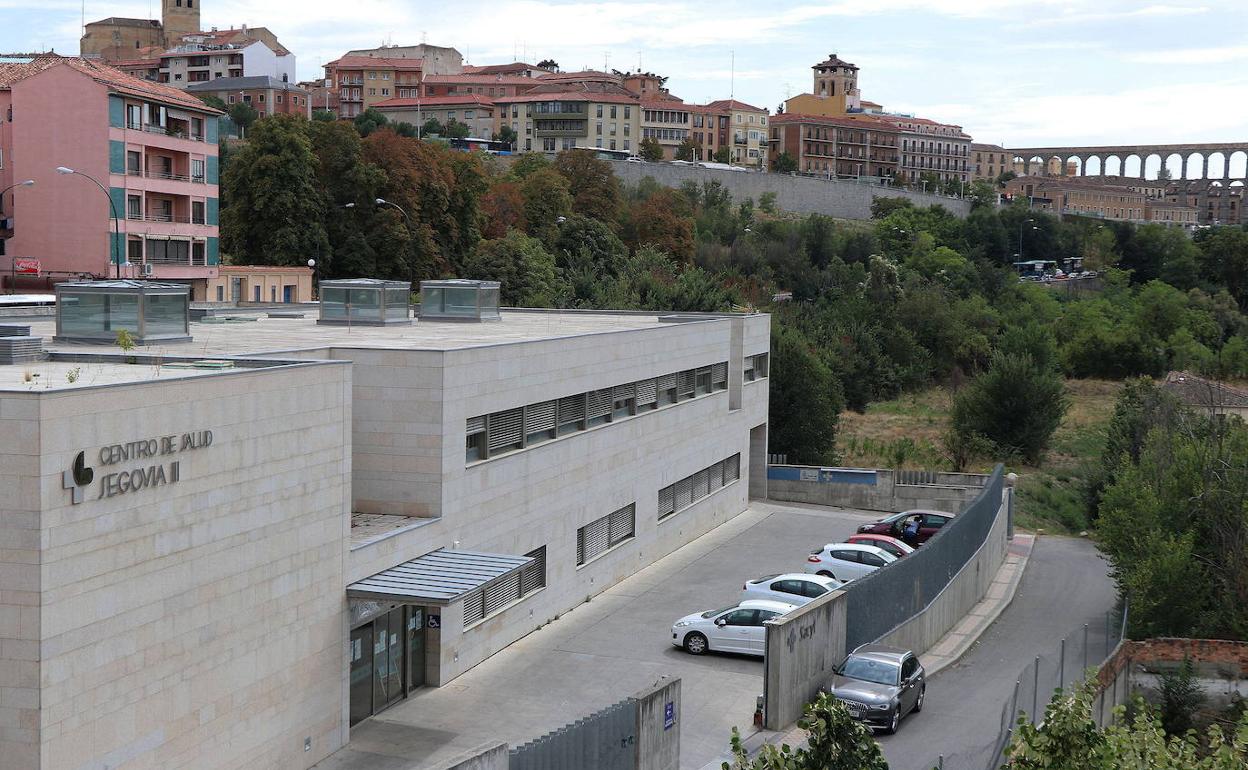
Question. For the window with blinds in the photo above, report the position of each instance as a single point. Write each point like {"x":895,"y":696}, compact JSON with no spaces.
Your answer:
{"x":755,"y":367}
{"x":474,"y":608}
{"x":621,"y":523}
{"x":497,"y":595}
{"x":689,"y":490}
{"x":533,"y":577}
{"x":512,"y":429}
{"x":592,"y":539}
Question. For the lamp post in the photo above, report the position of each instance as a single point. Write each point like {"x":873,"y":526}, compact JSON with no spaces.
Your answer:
{"x":12,"y":259}
{"x":312,"y":265}
{"x":111,"y":206}
{"x":1020,"y":235}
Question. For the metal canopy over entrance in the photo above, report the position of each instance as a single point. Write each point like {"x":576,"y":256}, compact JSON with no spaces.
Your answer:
{"x":438,"y":578}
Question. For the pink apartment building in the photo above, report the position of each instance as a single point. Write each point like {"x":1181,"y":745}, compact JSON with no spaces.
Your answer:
{"x":152,"y":146}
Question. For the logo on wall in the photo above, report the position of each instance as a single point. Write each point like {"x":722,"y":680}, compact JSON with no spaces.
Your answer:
{"x":78,"y":477}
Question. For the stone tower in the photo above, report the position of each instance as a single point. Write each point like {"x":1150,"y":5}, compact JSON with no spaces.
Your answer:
{"x":836,"y":78}
{"x":179,"y":17}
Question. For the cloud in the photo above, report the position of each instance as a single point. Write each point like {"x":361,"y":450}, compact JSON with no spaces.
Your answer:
{"x":1214,"y":55}
{"x":1090,"y":17}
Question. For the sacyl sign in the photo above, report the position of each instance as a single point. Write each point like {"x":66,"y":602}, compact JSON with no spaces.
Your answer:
{"x":141,"y":464}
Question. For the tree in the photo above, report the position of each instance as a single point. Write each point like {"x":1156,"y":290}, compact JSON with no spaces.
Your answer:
{"x":213,"y":101}
{"x":502,"y":208}
{"x":1100,"y":250}
{"x":834,"y":741}
{"x":660,"y":221}
{"x":276,"y":208}
{"x":687,"y":150}
{"x":982,"y":193}
{"x":431,"y":127}
{"x":650,"y":150}
{"x":784,"y":163}
{"x":524,"y":269}
{"x":369,"y":121}
{"x":324,"y":116}
{"x":548,"y":64}
{"x":546,"y":201}
{"x":723,"y":155}
{"x":1016,"y":405}
{"x":345,"y":177}
{"x":800,"y":377}
{"x":243,"y":115}
{"x":529,"y":162}
{"x":507,"y":135}
{"x":1223,"y":259}
{"x":595,"y":190}
{"x":455,"y":130}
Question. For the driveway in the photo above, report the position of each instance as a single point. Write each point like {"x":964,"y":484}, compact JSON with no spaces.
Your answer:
{"x":609,"y":648}
{"x":1066,"y":585}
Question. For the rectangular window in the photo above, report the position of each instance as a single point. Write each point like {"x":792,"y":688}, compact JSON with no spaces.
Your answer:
{"x":134,"y":207}
{"x":593,"y":539}
{"x":598,"y":407}
{"x":702,"y":380}
{"x":197,"y":212}
{"x":533,"y":577}
{"x":689,"y":490}
{"x":197,"y":170}
{"x":719,"y":376}
{"x":505,"y":431}
{"x":647,"y":395}
{"x":667,"y":389}
{"x":475,"y":449}
{"x":623,"y":400}
{"x":539,"y":422}
{"x":571,"y":414}
{"x":685,"y":384}
{"x":133,"y":163}
{"x":220,"y":293}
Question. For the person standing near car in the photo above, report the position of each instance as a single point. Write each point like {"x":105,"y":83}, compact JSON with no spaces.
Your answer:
{"x":910,"y":532}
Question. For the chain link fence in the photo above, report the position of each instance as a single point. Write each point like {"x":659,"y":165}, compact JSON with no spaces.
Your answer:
{"x":1066,"y":666}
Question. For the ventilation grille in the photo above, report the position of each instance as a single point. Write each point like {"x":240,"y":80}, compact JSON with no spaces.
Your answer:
{"x":20,"y":350}
{"x":14,"y":330}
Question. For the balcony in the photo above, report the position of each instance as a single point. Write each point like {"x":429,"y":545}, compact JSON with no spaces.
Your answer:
{"x":170,"y":131}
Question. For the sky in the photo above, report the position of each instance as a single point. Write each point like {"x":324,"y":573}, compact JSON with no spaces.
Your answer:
{"x":1013,"y":72}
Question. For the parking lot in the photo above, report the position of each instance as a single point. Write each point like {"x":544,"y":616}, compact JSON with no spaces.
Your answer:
{"x":609,"y":648}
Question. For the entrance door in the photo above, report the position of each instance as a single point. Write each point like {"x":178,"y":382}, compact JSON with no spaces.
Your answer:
{"x":236,"y":289}
{"x":415,"y":648}
{"x":388,"y":636}
{"x":361,"y":672}
{"x":288,"y":293}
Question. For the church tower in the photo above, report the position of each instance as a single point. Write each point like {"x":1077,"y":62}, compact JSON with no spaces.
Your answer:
{"x":180,"y":17}
{"x":838,"y":80}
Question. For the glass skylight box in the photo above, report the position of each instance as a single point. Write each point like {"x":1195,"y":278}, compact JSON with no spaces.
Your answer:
{"x":365,"y":302}
{"x":94,"y":311}
{"x":459,"y":299}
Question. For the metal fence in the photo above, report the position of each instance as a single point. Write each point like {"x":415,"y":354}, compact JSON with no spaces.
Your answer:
{"x":913,"y":582}
{"x":606,"y":739}
{"x":1062,"y":667}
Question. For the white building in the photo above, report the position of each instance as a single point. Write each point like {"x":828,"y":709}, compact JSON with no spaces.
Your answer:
{"x":232,"y":564}
{"x":195,"y":62}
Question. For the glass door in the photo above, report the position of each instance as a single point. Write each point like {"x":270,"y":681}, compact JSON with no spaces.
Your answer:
{"x":415,"y":648}
{"x":361,"y":654}
{"x":388,"y":636}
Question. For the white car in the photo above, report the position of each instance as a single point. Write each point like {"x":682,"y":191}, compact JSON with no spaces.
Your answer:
{"x":847,"y":561}
{"x":733,"y":629}
{"x":792,"y":588}
{"x":633,"y":159}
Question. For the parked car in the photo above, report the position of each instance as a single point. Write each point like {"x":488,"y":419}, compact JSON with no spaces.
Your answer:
{"x":888,"y":543}
{"x":733,"y":629}
{"x":794,"y":587}
{"x":847,"y":561}
{"x":880,"y":685}
{"x":930,"y":523}
{"x":633,"y":159}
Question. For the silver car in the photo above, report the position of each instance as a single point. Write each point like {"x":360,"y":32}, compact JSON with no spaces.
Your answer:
{"x":880,"y":685}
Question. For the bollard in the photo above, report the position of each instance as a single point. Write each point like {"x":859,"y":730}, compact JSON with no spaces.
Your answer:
{"x":1106,"y":635}
{"x":1085,"y":647}
{"x":1061,"y":667}
{"x":1035,"y":690}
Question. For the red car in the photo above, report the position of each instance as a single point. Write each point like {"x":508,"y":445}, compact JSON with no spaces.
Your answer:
{"x":885,"y":542}
{"x":895,"y":525}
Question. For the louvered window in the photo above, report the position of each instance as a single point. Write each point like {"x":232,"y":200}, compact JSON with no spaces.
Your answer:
{"x":501,"y":592}
{"x":539,"y":422}
{"x":716,"y":472}
{"x":747,"y":373}
{"x":701,"y":486}
{"x":684,"y":492}
{"x":620,"y":526}
{"x":719,"y":376}
{"x":533,"y":576}
{"x":685,"y":384}
{"x":592,"y":539}
{"x":760,"y":365}
{"x":667,"y":389}
{"x":476,"y":424}
{"x":667,"y":501}
{"x":474,"y":607}
{"x":474,"y":446}
{"x":571,"y":413}
{"x":732,"y":468}
{"x":647,"y":394}
{"x":623,"y":400}
{"x":506,"y":430}
{"x":702,"y":378}
{"x":598,"y":410}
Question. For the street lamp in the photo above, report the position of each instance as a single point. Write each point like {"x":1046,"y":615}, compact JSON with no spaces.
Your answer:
{"x":12,"y":260}
{"x":111,"y":206}
{"x":1020,"y":235}
{"x":312,"y":266}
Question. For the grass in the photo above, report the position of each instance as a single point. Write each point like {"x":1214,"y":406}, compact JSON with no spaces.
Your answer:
{"x":905,"y":433}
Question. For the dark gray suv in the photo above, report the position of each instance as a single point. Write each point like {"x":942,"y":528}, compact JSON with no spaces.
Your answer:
{"x":879,"y":685}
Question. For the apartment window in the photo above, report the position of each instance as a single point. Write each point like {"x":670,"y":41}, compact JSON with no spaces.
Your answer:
{"x":133,"y":163}
{"x":197,"y":170}
{"x":134,"y":116}
{"x":197,"y":212}
{"x":134,"y":250}
{"x":599,"y":131}
{"x":627,"y":111}
{"x":599,"y":111}
{"x":220,"y":293}
{"x":596,"y":537}
{"x":372,"y":92}
{"x":755,"y":367}
{"x":385,"y":92}
{"x":134,"y":207}
{"x":372,"y":76}
{"x":667,"y":389}
{"x":279,"y":99}
{"x":385,"y":76}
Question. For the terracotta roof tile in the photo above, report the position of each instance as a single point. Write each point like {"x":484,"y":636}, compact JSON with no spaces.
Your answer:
{"x":377,"y":62}
{"x":733,"y":104}
{"x":480,"y":80}
{"x":110,"y":77}
{"x":436,"y":101}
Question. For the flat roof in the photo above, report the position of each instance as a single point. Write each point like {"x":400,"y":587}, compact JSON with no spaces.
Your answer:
{"x":277,"y":335}
{"x":66,"y":371}
{"x":440,"y":577}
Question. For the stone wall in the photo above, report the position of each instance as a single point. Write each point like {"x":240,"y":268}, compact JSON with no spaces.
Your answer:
{"x":799,"y":194}
{"x":872,"y":489}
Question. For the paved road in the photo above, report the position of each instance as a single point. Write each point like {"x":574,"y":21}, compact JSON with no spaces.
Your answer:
{"x":608,"y":648}
{"x":1066,"y":585}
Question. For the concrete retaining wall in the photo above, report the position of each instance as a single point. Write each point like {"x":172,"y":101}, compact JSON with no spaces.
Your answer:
{"x":872,"y":489}
{"x":803,"y":195}
{"x":802,"y":648}
{"x":658,"y":726}
{"x":963,"y":592}
{"x":491,"y":758}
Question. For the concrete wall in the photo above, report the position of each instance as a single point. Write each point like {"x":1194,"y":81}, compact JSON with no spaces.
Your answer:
{"x":872,"y":489}
{"x":1220,"y":668}
{"x":802,"y":649}
{"x":197,"y":622}
{"x":20,"y":534}
{"x":804,"y":195}
{"x":492,"y":758}
{"x":658,"y":742}
{"x":963,"y":591}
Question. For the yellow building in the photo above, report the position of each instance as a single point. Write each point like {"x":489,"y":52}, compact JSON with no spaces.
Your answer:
{"x":835,"y":90}
{"x":749,"y":132}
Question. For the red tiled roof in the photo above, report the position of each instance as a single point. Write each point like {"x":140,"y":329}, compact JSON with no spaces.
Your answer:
{"x":495,"y":69}
{"x":377,"y":63}
{"x":733,"y":104}
{"x":110,"y":77}
{"x":482,"y":80}
{"x":436,"y":101}
{"x":570,"y":96}
{"x":234,"y":36}
{"x":869,"y":122}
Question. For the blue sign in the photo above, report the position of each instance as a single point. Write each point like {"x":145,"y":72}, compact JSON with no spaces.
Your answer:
{"x":669,"y":716}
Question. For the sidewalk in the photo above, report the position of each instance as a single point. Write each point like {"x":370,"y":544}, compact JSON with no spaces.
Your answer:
{"x":949,"y":649}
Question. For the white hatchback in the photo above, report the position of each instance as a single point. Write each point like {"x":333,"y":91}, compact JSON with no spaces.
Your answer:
{"x":847,"y":561}
{"x":732,"y":629}
{"x":793,"y":588}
